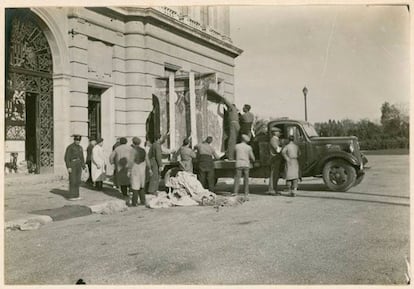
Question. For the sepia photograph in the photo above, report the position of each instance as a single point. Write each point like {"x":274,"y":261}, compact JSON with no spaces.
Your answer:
{"x":207,"y":144}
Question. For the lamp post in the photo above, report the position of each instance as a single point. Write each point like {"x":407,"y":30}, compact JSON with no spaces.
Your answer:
{"x":305,"y":93}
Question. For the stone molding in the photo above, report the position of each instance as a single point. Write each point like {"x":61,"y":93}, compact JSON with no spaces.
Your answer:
{"x":183,"y":25}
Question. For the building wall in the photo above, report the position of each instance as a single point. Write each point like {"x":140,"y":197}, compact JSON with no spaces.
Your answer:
{"x":123,"y":56}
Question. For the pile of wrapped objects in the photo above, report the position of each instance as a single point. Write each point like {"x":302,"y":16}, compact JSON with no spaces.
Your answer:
{"x":183,"y":190}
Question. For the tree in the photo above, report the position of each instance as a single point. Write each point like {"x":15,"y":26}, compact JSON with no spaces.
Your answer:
{"x":391,"y":120}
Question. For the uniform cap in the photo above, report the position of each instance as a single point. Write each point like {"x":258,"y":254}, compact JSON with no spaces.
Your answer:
{"x":77,"y":137}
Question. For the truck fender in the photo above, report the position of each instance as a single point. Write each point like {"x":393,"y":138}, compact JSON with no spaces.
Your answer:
{"x":338,"y":155}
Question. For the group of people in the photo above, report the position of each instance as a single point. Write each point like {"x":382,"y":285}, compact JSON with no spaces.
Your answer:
{"x":236,"y":124}
{"x":283,"y":158}
{"x":138,"y":169}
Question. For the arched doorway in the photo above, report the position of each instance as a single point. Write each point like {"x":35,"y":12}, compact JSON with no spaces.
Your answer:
{"x":29,"y":91}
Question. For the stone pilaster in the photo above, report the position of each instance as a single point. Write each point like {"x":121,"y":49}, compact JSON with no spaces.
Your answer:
{"x":119,"y":102}
{"x":61,"y":120}
{"x":138,"y":84}
{"x":78,"y":45}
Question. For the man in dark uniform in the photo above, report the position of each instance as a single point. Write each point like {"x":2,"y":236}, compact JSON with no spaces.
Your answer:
{"x":276,"y":160}
{"x":75,"y":162}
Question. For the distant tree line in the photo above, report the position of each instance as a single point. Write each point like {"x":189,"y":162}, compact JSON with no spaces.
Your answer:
{"x":391,"y":133}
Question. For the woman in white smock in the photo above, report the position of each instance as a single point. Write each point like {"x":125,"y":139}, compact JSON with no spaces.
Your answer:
{"x":98,"y":164}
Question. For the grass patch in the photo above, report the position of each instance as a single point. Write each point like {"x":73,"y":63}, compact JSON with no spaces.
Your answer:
{"x":388,"y":152}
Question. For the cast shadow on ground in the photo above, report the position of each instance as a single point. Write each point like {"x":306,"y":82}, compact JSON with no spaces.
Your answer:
{"x":352,"y":200}
{"x":377,"y":195}
{"x":107,"y":190}
{"x":320,"y":188}
{"x":263,"y":189}
{"x":323,"y":188}
{"x":59,"y":192}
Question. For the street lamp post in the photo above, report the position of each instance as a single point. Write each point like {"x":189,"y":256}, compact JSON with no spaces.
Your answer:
{"x":305,"y":93}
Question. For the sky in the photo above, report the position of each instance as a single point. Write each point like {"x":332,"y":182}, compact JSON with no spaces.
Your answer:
{"x":351,"y":58}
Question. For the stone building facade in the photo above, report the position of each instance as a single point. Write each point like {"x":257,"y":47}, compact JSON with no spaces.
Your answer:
{"x":112,"y":72}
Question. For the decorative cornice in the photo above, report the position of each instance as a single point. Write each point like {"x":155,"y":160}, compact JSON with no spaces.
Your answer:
{"x":164,"y":16}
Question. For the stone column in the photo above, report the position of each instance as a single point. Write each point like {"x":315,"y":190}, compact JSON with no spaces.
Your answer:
{"x":221,"y":20}
{"x":193,"y":109}
{"x":211,"y":14}
{"x":195,"y":13}
{"x":226,"y":20}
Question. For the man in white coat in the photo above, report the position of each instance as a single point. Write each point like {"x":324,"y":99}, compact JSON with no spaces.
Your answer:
{"x":98,"y":164}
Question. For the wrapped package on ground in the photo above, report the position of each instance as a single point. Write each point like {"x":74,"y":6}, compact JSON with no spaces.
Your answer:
{"x":184,"y":201}
{"x":191,"y":185}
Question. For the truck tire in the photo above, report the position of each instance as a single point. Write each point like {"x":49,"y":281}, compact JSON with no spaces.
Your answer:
{"x":359,"y":180}
{"x":339,"y":175}
{"x":167,"y":175}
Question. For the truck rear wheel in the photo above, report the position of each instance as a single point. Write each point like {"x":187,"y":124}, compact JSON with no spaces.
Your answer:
{"x":339,"y":175}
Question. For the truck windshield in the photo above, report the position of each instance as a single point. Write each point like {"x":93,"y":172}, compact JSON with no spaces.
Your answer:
{"x":310,"y":130}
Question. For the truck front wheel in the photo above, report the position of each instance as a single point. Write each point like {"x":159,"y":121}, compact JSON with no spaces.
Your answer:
{"x":359,"y":180}
{"x":339,"y":175}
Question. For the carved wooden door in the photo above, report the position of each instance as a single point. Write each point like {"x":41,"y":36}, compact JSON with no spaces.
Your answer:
{"x":29,"y":80}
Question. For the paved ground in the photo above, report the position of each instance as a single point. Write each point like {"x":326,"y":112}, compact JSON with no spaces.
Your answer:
{"x":319,"y":237}
{"x":23,"y":199}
